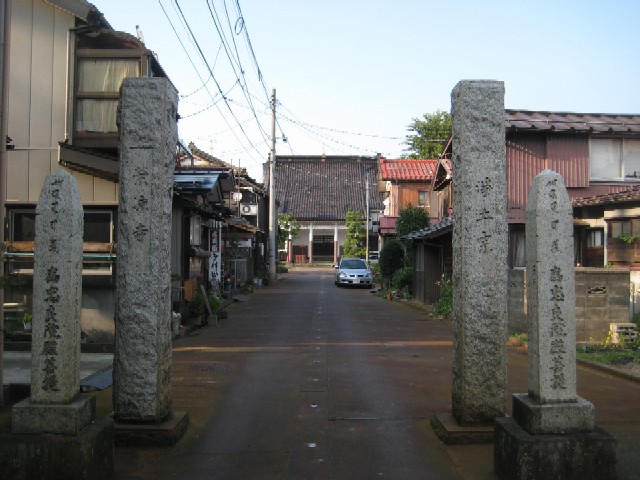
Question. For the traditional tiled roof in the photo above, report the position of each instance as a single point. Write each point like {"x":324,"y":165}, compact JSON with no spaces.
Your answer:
{"x":572,"y":122}
{"x":407,"y":170}
{"x":630,"y":195}
{"x":320,"y":188}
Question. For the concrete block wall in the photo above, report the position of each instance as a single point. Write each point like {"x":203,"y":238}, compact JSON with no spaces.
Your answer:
{"x":602,"y":297}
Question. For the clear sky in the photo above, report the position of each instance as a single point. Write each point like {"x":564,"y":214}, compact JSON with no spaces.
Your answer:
{"x":351,"y":75}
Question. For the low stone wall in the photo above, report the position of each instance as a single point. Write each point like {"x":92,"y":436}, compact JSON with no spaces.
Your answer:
{"x":602,"y":297}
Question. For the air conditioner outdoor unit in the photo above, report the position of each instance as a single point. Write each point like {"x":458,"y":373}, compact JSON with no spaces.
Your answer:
{"x":249,"y":209}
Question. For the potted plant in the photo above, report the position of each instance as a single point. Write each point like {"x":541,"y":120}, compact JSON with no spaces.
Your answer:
{"x":27,"y":320}
{"x":196,"y":308}
{"x":216,"y":306}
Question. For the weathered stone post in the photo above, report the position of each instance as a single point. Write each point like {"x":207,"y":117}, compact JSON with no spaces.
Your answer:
{"x":142,"y":361}
{"x":54,"y":433}
{"x":552,"y":434}
{"x":480,"y":263}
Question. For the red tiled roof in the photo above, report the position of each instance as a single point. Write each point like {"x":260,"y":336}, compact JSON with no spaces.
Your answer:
{"x":630,"y":195}
{"x":407,"y":169}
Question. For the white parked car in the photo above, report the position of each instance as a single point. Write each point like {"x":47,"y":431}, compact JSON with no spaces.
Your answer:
{"x":353,"y":271}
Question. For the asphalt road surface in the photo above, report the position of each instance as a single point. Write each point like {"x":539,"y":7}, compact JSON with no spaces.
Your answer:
{"x":306,"y":380}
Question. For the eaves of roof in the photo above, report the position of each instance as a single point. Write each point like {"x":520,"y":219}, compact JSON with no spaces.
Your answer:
{"x":625,"y":196}
{"x":572,"y":122}
{"x":435,"y":230}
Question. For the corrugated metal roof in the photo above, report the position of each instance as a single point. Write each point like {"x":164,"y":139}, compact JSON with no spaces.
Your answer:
{"x":572,"y":122}
{"x":407,"y":169}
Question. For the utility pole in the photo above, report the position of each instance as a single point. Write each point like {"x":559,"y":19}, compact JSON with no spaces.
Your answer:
{"x":273,"y":216}
{"x":367,"y":217}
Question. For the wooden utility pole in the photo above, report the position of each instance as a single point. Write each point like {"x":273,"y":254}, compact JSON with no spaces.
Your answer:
{"x":273,"y":215}
{"x":367,"y":220}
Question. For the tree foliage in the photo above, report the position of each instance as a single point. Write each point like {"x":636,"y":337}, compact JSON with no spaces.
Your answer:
{"x":354,"y":244}
{"x":428,"y":135}
{"x":288,"y":226}
{"x":411,"y":219}
{"x":391,"y":258}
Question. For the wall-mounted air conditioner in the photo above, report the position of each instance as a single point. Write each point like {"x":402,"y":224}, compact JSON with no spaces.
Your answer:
{"x":249,"y":209}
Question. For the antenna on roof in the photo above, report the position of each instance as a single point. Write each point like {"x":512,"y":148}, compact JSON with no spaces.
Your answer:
{"x":139,"y":33}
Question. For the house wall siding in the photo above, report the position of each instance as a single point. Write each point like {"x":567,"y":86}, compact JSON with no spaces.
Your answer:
{"x":37,"y":104}
{"x":530,"y":154}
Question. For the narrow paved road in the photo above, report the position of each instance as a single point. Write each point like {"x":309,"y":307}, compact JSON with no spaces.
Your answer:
{"x":305,"y":380}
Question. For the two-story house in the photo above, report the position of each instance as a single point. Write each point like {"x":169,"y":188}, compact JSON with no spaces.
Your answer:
{"x":64,"y":70}
{"x":233,"y":236}
{"x":597,"y":154}
{"x":404,"y":182}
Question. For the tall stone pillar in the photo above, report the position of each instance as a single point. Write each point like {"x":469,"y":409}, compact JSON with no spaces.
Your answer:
{"x":552,"y":434}
{"x":479,"y":252}
{"x":480,"y":256}
{"x":57,"y":291}
{"x":142,"y":361}
{"x":311,"y":243}
{"x":55,"y":432}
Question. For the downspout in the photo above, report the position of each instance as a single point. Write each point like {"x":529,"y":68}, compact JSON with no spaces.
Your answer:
{"x":5,"y":18}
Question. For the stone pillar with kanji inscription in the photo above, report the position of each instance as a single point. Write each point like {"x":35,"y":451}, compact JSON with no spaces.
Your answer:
{"x":55,"y":431}
{"x":552,"y":434}
{"x":57,"y":291}
{"x":479,"y":263}
{"x":142,"y":360}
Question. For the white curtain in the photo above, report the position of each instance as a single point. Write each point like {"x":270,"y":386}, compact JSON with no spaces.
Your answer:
{"x":101,"y":76}
{"x":105,"y":75}
{"x":98,"y":116}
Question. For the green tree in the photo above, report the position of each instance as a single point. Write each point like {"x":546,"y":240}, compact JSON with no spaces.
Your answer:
{"x":289,"y":227}
{"x":391,"y":259}
{"x":411,"y":219}
{"x":354,"y":244}
{"x":428,"y":135}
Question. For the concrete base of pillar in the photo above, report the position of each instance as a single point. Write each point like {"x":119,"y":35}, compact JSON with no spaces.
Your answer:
{"x":553,"y":418}
{"x":66,"y":419}
{"x":446,"y":427}
{"x":519,"y":455}
{"x":48,"y":456}
{"x":163,"y":434}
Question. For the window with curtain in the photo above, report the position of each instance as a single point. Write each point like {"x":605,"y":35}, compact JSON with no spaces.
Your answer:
{"x":423,"y":198}
{"x":614,"y":158}
{"x":98,"y":89}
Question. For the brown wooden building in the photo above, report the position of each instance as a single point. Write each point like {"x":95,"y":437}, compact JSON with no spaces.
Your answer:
{"x":597,"y":155}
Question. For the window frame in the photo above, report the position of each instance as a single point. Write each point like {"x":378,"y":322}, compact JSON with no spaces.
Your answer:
{"x":25,"y":265}
{"x":620,"y":147}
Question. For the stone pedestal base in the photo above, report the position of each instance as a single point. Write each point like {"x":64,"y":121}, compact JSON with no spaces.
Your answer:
{"x":450,"y":432}
{"x":554,"y":418}
{"x":51,"y":457}
{"x":163,"y":434}
{"x":67,"y":419}
{"x":518,"y":455}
